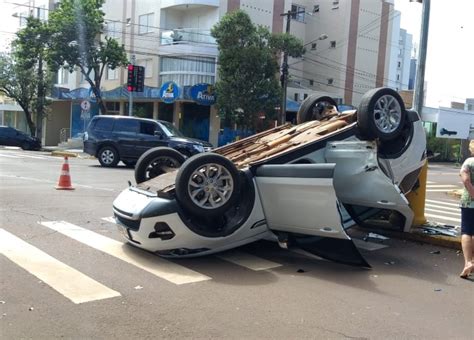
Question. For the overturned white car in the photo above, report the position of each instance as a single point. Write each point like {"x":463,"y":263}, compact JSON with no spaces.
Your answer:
{"x":301,"y":185}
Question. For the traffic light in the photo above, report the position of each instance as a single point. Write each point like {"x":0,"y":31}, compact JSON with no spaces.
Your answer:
{"x":131,"y":79}
{"x":135,"y":78}
{"x":140,"y":79}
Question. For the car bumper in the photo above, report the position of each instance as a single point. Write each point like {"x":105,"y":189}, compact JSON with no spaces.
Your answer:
{"x":90,"y":148}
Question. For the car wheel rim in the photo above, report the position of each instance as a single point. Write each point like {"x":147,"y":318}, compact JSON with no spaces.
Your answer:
{"x":161,"y":165}
{"x":387,"y":114}
{"x":107,"y":157}
{"x":210,"y":186}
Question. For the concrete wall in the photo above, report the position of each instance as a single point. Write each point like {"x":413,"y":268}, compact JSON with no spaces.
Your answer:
{"x":58,"y":118}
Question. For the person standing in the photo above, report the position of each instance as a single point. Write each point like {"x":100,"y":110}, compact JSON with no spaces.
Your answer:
{"x":467,"y":212}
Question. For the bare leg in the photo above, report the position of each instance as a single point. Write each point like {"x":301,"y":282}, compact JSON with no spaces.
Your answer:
{"x":467,"y":249}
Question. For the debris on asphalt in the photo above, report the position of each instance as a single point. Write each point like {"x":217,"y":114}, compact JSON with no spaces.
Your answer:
{"x":441,"y":229}
{"x":437,"y":289}
{"x":138,"y":287}
{"x":435,"y":252}
{"x":301,"y":271}
{"x":375,"y":236}
{"x":31,"y":308}
{"x":390,"y":263}
{"x":374,"y":276}
{"x":2,"y":302}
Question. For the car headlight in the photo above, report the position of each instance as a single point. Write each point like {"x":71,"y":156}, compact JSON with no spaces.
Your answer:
{"x":198,"y":148}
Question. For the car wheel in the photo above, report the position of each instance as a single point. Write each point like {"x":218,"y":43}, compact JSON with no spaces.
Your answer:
{"x":381,"y":114}
{"x":313,"y":108}
{"x":26,"y":146}
{"x":157,"y":161}
{"x":207,"y":184}
{"x":108,"y":156}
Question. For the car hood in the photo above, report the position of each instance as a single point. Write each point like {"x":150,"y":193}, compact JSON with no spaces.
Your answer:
{"x":191,"y":141}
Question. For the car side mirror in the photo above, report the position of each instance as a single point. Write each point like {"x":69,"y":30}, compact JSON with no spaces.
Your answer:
{"x":159,"y":134}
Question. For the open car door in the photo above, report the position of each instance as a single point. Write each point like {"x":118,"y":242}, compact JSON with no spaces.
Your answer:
{"x":301,"y":207}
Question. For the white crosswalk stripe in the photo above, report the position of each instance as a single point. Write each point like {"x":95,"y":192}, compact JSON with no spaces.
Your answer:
{"x":443,"y":211}
{"x":248,"y":261}
{"x":69,"y":282}
{"x":155,"y":265}
{"x":24,"y":154}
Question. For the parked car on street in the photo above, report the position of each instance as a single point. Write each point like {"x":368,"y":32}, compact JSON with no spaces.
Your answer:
{"x":120,"y":138}
{"x":303,"y":186}
{"x":12,"y":137}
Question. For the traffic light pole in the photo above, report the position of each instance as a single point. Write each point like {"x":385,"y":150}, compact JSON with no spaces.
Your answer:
{"x":130,"y":93}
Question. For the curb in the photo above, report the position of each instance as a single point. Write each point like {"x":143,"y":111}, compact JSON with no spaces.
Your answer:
{"x":62,"y":153}
{"x":417,"y":235}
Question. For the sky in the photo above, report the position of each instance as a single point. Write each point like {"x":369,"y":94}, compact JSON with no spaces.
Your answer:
{"x":450,"y":57}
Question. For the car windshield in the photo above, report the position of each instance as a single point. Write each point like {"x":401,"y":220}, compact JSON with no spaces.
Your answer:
{"x":171,"y":130}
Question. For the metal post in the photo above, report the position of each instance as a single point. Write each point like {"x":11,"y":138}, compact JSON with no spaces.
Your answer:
{"x":130,"y":95}
{"x":284,"y":72}
{"x":420,"y":72}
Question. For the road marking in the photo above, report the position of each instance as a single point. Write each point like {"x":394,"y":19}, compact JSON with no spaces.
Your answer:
{"x":457,"y":214}
{"x":31,"y":179}
{"x":445,"y":203}
{"x":109,"y":219}
{"x":248,"y":261}
{"x":9,"y":156}
{"x":155,"y":265}
{"x":444,"y":218}
{"x":429,"y":182}
{"x":443,"y":208}
{"x":66,"y":280}
{"x":441,"y":190}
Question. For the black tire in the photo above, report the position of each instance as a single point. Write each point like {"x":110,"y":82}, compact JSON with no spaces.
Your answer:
{"x":375,"y":117}
{"x":108,"y":156}
{"x":157,"y":161}
{"x":203,"y":171}
{"x":312,"y":108}
{"x":26,"y":146}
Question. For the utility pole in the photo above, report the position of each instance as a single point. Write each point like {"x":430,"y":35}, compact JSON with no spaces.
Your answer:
{"x":420,"y":72}
{"x":284,"y":67}
{"x":130,"y":95}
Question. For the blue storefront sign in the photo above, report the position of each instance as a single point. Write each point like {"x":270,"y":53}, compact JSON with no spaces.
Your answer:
{"x":203,"y":94}
{"x":169,"y":92}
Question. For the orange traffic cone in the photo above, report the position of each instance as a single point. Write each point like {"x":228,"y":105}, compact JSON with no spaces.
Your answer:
{"x":65,"y":179}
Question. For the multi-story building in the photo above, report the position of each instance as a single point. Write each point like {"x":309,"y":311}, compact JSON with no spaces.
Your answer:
{"x":349,"y":46}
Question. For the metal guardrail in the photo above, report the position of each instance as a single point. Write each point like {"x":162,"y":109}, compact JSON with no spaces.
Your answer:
{"x":64,"y":135}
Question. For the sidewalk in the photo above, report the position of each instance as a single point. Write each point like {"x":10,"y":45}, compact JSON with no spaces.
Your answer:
{"x":60,"y":151}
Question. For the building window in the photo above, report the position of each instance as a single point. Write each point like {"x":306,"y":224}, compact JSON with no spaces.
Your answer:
{"x":296,"y":97}
{"x":398,"y":77}
{"x":316,"y":9}
{"x":298,"y":13}
{"x":313,"y":46}
{"x":305,"y":96}
{"x":333,"y":44}
{"x":330,"y":81}
{"x":148,"y":65}
{"x":311,"y":82}
{"x":114,"y":29}
{"x":111,"y":74}
{"x":112,"y":108}
{"x":145,"y":23}
{"x":399,"y":64}
{"x":41,"y":13}
{"x":185,"y":72}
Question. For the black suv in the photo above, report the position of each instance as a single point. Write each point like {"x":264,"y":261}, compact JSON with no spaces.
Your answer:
{"x":12,"y":137}
{"x":120,"y":138}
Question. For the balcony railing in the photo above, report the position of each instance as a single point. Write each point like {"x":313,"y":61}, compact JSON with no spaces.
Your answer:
{"x":186,"y":36}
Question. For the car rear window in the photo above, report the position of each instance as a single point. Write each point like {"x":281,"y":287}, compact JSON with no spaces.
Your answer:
{"x":126,"y":125}
{"x":104,"y":124}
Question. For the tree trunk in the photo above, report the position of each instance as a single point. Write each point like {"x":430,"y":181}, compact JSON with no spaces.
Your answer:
{"x":31,"y":124}
{"x":464,"y":150}
{"x":98,"y":96}
{"x":40,"y":100}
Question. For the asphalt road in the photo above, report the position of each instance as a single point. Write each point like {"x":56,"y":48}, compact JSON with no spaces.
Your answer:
{"x":412,"y":291}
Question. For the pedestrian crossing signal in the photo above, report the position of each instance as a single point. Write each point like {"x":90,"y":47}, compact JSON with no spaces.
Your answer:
{"x":135,"y":78}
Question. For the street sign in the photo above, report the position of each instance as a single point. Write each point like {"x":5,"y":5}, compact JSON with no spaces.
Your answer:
{"x":85,"y":105}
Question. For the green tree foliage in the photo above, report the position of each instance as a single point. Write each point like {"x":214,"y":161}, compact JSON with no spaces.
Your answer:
{"x":23,"y":74}
{"x":247,"y":87}
{"x":19,"y":84}
{"x":76,"y":43}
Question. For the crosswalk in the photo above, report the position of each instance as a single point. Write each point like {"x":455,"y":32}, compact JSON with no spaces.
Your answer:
{"x":433,"y":187}
{"x":16,"y":153}
{"x":80,"y":288}
{"x":444,"y":211}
